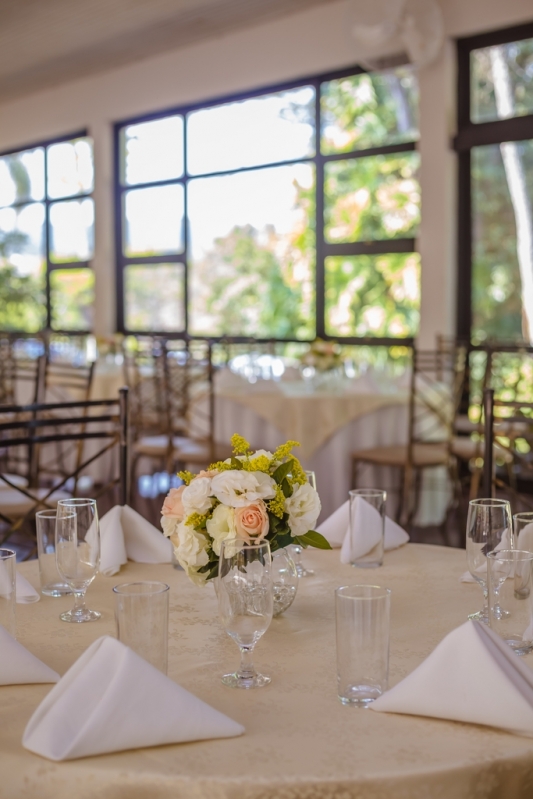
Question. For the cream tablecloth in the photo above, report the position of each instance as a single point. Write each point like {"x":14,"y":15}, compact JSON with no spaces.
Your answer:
{"x":300,"y":742}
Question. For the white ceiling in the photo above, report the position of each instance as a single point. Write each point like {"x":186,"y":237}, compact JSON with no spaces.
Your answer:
{"x":46,"y":42}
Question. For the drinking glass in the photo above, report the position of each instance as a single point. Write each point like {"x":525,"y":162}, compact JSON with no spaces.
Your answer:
{"x":488,"y":527}
{"x":523,"y":531}
{"x":284,"y":581}
{"x":51,"y":582}
{"x":245,"y":602}
{"x":295,"y":550}
{"x":367,"y":526}
{"x":510,"y":578}
{"x":8,"y":574}
{"x":141,"y":615}
{"x":78,"y":552}
{"x":362,"y":615}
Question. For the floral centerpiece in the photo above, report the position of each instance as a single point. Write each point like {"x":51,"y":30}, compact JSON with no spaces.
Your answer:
{"x":323,"y":356}
{"x":252,"y":495}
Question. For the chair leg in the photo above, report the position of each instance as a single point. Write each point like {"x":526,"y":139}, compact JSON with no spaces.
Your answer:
{"x":407,"y":486}
{"x":354,"y":473}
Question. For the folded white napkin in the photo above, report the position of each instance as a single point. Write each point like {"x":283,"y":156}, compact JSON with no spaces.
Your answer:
{"x":125,"y":535}
{"x":471,"y":676}
{"x":26,"y":593}
{"x":18,"y":665}
{"x":110,"y":700}
{"x":336,"y":529}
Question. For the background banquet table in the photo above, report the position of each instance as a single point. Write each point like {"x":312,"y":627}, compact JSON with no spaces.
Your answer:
{"x":300,"y":742}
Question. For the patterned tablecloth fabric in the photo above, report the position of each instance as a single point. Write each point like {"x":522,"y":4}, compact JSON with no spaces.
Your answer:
{"x":300,"y":742}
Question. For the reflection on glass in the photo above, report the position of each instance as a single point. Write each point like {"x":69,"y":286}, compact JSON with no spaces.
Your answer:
{"x":152,"y":150}
{"x":372,"y":198}
{"x":373,"y":295}
{"x":22,"y":268}
{"x":72,"y":231}
{"x":70,"y":168}
{"x":153,"y":221}
{"x":369,"y":110}
{"x":262,"y":130}
{"x":502,"y":81}
{"x":252,"y":264}
{"x":502,"y":188}
{"x":72,"y":299}
{"x":22,"y":177}
{"x":154,"y":297}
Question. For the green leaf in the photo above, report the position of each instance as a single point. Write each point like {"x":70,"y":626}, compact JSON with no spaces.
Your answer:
{"x":283,"y":539}
{"x":282,"y":471}
{"x":313,"y":539}
{"x":286,"y":488}
{"x":236,"y":463}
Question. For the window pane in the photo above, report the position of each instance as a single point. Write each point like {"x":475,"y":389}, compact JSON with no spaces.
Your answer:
{"x":72,"y":231}
{"x":22,"y":268}
{"x":154,"y":298}
{"x":72,"y":299}
{"x":502,"y":81}
{"x":372,"y":198}
{"x":275,"y":127}
{"x":70,"y":168}
{"x":153,"y":221}
{"x":152,"y":150}
{"x":502,"y":187}
{"x":252,"y":265}
{"x":369,"y":110}
{"x":22,"y":177}
{"x":373,"y":295}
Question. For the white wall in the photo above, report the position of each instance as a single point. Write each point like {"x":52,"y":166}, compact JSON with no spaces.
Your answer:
{"x":295,"y":46}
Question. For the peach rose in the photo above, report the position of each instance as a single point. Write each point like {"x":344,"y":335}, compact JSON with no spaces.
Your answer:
{"x":203,"y":473}
{"x":251,"y":522}
{"x":173,"y":506}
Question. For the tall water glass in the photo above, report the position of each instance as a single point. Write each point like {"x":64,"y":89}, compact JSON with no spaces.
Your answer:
{"x":510,"y":578}
{"x":367,"y":526}
{"x":295,"y":550}
{"x":523,"y":531}
{"x":245,"y":602}
{"x":52,"y":584}
{"x":78,"y":552}
{"x":488,"y":527}
{"x":8,"y":590}
{"x":141,"y":615}
{"x":362,"y":614}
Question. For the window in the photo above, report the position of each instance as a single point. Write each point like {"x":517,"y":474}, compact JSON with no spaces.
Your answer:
{"x":47,"y":236}
{"x":282,"y":214}
{"x":495,"y":147}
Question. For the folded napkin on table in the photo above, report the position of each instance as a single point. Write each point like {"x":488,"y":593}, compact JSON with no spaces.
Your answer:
{"x":471,"y":676}
{"x":367,"y":530}
{"x":26,"y":593}
{"x":126,"y":535}
{"x":18,"y":665}
{"x":110,"y":700}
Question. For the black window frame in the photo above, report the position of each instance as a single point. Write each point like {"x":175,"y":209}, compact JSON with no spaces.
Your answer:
{"x":47,"y":202}
{"x":323,"y":248}
{"x":475,"y":134}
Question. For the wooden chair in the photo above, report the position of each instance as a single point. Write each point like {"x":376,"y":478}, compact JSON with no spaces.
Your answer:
{"x":32,"y":428}
{"x":436,"y":383}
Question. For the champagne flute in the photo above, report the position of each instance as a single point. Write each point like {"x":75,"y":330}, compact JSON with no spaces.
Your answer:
{"x":78,"y":552}
{"x":245,"y":602}
{"x":296,"y":549}
{"x":488,"y":527}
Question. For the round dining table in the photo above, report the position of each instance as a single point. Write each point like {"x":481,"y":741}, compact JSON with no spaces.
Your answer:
{"x":300,"y":742}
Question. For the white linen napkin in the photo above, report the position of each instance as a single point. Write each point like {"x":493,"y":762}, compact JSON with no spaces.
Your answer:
{"x":336,"y":528}
{"x":471,"y":676}
{"x":26,"y":593}
{"x":18,"y":665}
{"x":110,"y":700}
{"x":126,"y":535}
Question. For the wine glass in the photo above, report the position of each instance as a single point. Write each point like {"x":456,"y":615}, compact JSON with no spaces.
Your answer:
{"x":245,"y":602}
{"x":295,"y":549}
{"x":78,"y":552}
{"x":488,"y":527}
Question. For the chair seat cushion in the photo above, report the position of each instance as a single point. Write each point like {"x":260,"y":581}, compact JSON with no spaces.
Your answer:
{"x":466,"y":449}
{"x":157,"y":446}
{"x":424,"y":455}
{"x":13,"y":504}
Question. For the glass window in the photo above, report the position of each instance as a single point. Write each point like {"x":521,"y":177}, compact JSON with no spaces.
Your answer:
{"x":154,"y":220}
{"x":155,"y":298}
{"x":502,"y":81}
{"x":152,"y":151}
{"x":46,"y":174}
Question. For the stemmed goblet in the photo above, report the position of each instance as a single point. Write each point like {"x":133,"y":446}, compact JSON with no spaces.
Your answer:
{"x":488,"y":527}
{"x":78,"y":552}
{"x":245,"y":602}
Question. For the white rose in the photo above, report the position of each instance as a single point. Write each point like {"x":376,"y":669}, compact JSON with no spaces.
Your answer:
{"x":256,"y":454}
{"x":196,"y":497}
{"x":169,"y":525}
{"x":221,"y":526}
{"x":190,"y":549}
{"x":303,"y":509}
{"x":239,"y":488}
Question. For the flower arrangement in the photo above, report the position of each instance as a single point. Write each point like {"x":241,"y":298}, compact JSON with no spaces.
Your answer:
{"x":252,"y":496}
{"x":323,"y":356}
